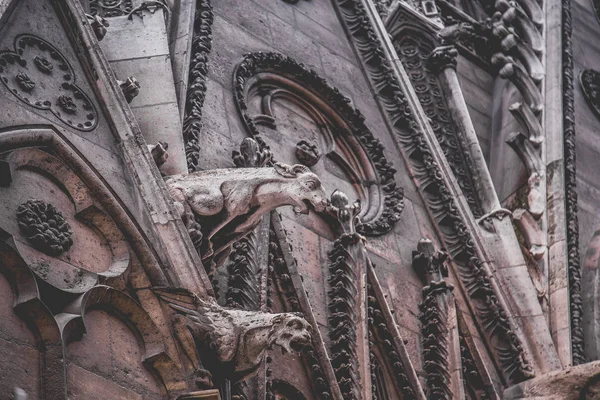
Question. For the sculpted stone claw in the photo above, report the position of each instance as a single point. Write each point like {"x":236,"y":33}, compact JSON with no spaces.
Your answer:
{"x":229,"y":203}
{"x":234,"y":341}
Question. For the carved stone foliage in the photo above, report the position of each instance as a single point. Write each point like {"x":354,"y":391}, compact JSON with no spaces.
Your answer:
{"x":110,"y":8}
{"x":507,"y":348}
{"x":274,"y":76}
{"x":343,"y":315}
{"x":229,"y":203}
{"x":196,"y":91}
{"x":232,"y":342}
{"x":571,"y":207}
{"x":307,"y":153}
{"x":429,"y":264}
{"x":590,"y":84}
{"x":45,"y":227}
{"x":40,"y":76}
{"x":416,"y":54}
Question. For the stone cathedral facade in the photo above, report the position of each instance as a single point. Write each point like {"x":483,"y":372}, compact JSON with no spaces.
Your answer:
{"x":299,"y":199}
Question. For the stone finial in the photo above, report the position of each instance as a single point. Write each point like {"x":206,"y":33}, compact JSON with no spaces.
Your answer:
{"x":252,"y":155}
{"x":429,"y":263}
{"x":130,"y":88}
{"x":98,"y":25}
{"x":346,"y":213}
{"x":307,"y":153}
{"x":159,"y":153}
{"x":442,"y":57}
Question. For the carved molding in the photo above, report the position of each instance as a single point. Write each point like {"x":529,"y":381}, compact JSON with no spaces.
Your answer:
{"x":286,"y":67}
{"x":507,"y":349}
{"x":430,"y":266}
{"x":196,"y":90}
{"x":380,"y":333}
{"x":281,"y":277}
{"x":39,"y":75}
{"x":422,"y":63}
{"x":571,"y":207}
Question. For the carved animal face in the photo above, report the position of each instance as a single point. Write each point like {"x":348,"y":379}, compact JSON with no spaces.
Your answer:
{"x":305,"y":189}
{"x":290,"y":332}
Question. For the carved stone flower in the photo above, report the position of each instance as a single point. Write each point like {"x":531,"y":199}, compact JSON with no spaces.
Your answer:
{"x":43,"y":64}
{"x":24,"y":82}
{"x":307,"y":153}
{"x":67,"y":105}
{"x":45,"y":227}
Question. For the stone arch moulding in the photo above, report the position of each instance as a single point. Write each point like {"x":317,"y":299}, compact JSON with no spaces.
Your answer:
{"x":348,"y":141}
{"x":94,"y":203}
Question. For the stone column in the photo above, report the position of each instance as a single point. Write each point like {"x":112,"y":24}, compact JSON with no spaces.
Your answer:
{"x":441,"y":341}
{"x":443,"y":62}
{"x":349,"y":331}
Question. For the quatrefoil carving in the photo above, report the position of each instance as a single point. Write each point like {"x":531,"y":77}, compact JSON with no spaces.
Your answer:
{"x":41,"y":77}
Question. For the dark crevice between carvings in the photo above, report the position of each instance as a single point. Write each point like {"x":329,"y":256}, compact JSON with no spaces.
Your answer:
{"x":381,"y":334}
{"x":281,"y":280}
{"x":255,"y":63}
{"x":196,"y":90}
{"x":571,"y":207}
{"x":506,"y":345}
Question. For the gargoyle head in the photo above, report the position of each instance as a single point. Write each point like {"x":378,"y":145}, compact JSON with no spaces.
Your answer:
{"x":305,"y":189}
{"x":291,"y":332}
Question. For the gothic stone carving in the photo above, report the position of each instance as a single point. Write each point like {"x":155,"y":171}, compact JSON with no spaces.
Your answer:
{"x":343,"y":298}
{"x":590,"y":84}
{"x":288,"y":68}
{"x":234,"y":341}
{"x":229,"y":203}
{"x":159,"y":153}
{"x":571,"y":207}
{"x":490,"y":314}
{"x":41,"y":77}
{"x":130,"y":88}
{"x":196,"y":90}
{"x":110,"y":8}
{"x":99,"y":25}
{"x":307,"y":153}
{"x":430,"y":266}
{"x":45,"y":227}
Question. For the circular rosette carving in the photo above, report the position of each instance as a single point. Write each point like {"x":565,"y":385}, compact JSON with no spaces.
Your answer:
{"x":45,"y":227}
{"x":307,"y":153}
{"x":40,"y":76}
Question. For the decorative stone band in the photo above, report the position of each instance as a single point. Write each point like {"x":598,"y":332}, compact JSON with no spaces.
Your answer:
{"x":505,"y":344}
{"x":196,"y":91}
{"x":255,"y":63}
{"x":572,"y":221}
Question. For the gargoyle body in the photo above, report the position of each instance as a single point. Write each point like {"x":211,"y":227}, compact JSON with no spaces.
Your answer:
{"x":229,"y":203}
{"x":232,"y":342}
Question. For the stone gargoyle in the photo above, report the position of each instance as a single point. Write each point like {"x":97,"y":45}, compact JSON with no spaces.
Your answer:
{"x":229,"y":203}
{"x":230,"y":342}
